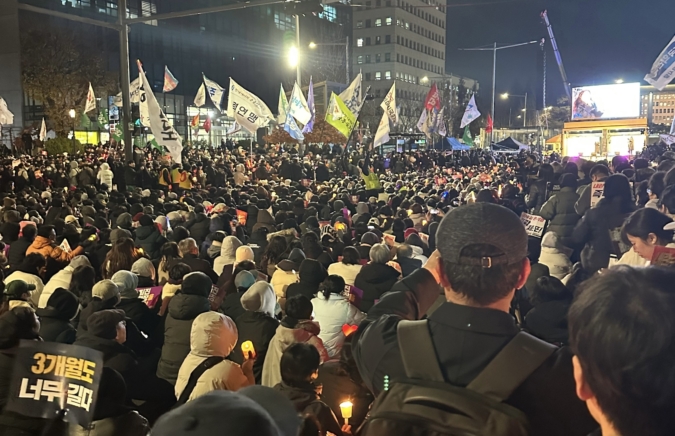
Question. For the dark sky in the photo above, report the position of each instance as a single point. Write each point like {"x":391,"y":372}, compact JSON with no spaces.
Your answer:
{"x":599,"y":40}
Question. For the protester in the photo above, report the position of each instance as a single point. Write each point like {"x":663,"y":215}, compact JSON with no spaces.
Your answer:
{"x":145,"y":272}
{"x":45,"y":244}
{"x":377,"y":277}
{"x":30,"y":271}
{"x":547,"y":319}
{"x":55,"y":325}
{"x":559,"y":210}
{"x":311,"y":274}
{"x":227,"y":257}
{"x":286,"y":274}
{"x":232,"y":306}
{"x":61,"y":279}
{"x":349,"y":267}
{"x":17,"y":250}
{"x":555,"y":256}
{"x":644,"y":230}
{"x":134,"y":308}
{"x":189,"y":253}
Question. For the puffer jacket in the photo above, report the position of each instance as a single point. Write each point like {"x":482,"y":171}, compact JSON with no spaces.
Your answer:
{"x":554,"y":257}
{"x":48,"y":249}
{"x":17,"y":251}
{"x":31,"y":279}
{"x":374,"y":280}
{"x":264,"y":220}
{"x":199,"y":228}
{"x":105,"y":176}
{"x":183,"y":309}
{"x":285,"y":275}
{"x":61,"y":279}
{"x":332,"y":314}
{"x":347,"y":272}
{"x":228,"y":252}
{"x":289,"y":333}
{"x":150,"y":240}
{"x":540,"y":192}
{"x":213,"y":334}
{"x":559,"y":210}
{"x":311,"y":274}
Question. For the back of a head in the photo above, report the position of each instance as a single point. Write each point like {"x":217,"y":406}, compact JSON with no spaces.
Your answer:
{"x":549,"y":289}
{"x":187,"y":246}
{"x":568,"y":181}
{"x":196,"y":283}
{"x":29,"y":232}
{"x":380,"y":253}
{"x":178,"y":271}
{"x":667,"y":199}
{"x":299,"y":307}
{"x":404,"y":251}
{"x":16,"y":324}
{"x":45,"y":231}
{"x":624,"y":348}
{"x":333,"y":284}
{"x":350,"y":256}
{"x":617,"y":188}
{"x":599,"y":170}
{"x":657,"y":183}
{"x":298,"y":363}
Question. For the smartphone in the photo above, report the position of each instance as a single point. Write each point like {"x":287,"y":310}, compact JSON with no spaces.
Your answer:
{"x":371,"y":227}
{"x":433,"y":211}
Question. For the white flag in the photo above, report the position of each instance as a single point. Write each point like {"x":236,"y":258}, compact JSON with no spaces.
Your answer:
{"x":247,"y":109}
{"x":200,"y":98}
{"x":164,"y":133}
{"x":134,"y":93}
{"x":440,"y":124}
{"x":143,"y":107}
{"x":297,"y":106}
{"x":471,"y":112}
{"x":353,"y":95}
{"x":91,"y":100}
{"x":234,"y":129}
{"x":43,"y":130}
{"x":663,"y":69}
{"x":6,"y":117}
{"x":215,"y":92}
{"x":422,"y":121}
{"x":389,"y":105}
{"x":382,"y":135}
{"x":283,"y":106}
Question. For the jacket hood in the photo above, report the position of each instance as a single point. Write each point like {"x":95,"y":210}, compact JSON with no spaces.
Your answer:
{"x":186,"y":306}
{"x":147,"y":233}
{"x":214,"y":249}
{"x":288,"y":266}
{"x":228,"y":251}
{"x":213,"y":334}
{"x":362,"y":207}
{"x":301,"y":397}
{"x":105,"y":166}
{"x":259,"y":298}
{"x":311,"y":272}
{"x":550,"y":240}
{"x":79,"y":261}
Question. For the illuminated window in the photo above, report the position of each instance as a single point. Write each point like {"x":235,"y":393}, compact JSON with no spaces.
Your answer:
{"x":388,"y":21}
{"x":387,"y":75}
{"x":378,"y":22}
{"x":378,"y":76}
{"x":359,"y":42}
{"x":359,"y":59}
{"x":329,"y":13}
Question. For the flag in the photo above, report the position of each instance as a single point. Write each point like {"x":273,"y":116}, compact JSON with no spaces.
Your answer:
{"x":234,"y":129}
{"x":91,"y":100}
{"x":292,"y":128}
{"x":207,"y":124}
{"x":247,"y":109}
{"x":352,"y":97}
{"x":200,"y":98}
{"x":467,"y":138}
{"x":425,"y":123}
{"x":143,"y":110}
{"x":43,"y":130}
{"x":215,"y":92}
{"x":133,"y":94}
{"x":163,"y":131}
{"x":339,"y":116}
{"x":195,"y":122}
{"x":298,"y":105}
{"x":433,"y":99}
{"x":663,"y":69}
{"x":422,"y":121}
{"x":471,"y":112}
{"x":672,"y":128}
{"x":282,"y":107}
{"x":382,"y":135}
{"x":6,"y":117}
{"x":440,"y":124}
{"x":170,"y":82}
{"x":489,"y":125}
{"x":310,"y":102}
{"x":389,"y":105}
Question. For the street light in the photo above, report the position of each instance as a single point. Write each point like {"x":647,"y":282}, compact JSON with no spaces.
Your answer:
{"x":293,"y":57}
{"x":619,"y":81}
{"x":507,"y":95}
{"x":72,"y":115}
{"x":424,"y":79}
{"x":314,"y":45}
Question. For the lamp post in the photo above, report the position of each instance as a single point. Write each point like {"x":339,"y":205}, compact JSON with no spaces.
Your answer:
{"x":507,"y":95}
{"x":314,"y":45}
{"x":72,"y":114}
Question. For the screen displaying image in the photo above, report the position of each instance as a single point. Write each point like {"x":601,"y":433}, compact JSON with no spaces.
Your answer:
{"x":606,"y":102}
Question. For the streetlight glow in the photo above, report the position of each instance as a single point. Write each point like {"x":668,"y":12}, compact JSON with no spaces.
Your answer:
{"x":505,"y":95}
{"x":71,"y":113}
{"x":424,"y":79}
{"x":619,"y":81}
{"x":293,"y":56}
{"x":312,"y":44}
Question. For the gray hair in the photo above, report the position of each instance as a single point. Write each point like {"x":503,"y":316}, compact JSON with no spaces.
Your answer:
{"x":379,"y":253}
{"x":186,"y":246}
{"x":404,"y":251}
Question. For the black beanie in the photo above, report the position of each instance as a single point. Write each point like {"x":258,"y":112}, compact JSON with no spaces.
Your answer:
{"x":64,"y":302}
{"x":196,"y":283}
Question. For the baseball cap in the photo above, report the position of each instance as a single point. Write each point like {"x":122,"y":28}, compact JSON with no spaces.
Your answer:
{"x":105,"y":290}
{"x":16,"y":288}
{"x":103,"y":324}
{"x":244,"y":280}
{"x":485,"y":224}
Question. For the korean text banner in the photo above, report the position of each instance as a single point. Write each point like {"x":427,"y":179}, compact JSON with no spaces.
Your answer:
{"x":339,"y":116}
{"x":49,"y":377}
{"x":247,"y":109}
{"x":663,"y":69}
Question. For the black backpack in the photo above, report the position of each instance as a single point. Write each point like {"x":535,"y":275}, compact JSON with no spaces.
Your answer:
{"x":425,"y":405}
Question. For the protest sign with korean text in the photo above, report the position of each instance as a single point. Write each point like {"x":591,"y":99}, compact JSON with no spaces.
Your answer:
{"x":663,"y":256}
{"x":597,"y":192}
{"x":534,"y":224}
{"x":49,"y":377}
{"x":150,"y":296}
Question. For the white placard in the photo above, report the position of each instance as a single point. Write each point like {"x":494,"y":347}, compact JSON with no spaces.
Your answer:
{"x":534,"y":224}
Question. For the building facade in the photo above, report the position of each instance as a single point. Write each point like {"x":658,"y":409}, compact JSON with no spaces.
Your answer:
{"x":658,"y":106}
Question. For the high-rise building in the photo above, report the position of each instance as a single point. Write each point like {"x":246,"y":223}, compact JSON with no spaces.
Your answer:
{"x":658,"y":106}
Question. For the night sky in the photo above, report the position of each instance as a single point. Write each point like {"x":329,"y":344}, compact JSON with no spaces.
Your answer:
{"x":600,"y":40}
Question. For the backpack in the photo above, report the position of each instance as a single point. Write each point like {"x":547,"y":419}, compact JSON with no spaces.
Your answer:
{"x":423,"y":404}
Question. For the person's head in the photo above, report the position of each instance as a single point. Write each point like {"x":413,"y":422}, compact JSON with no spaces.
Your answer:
{"x":621,"y":333}
{"x":259,"y":297}
{"x":244,"y":253}
{"x":108,"y":324}
{"x":275,"y":248}
{"x":196,"y":283}
{"x":483,"y":248}
{"x":33,"y":263}
{"x":350,"y":256}
{"x":243,"y":281}
{"x":18,"y":290}
{"x":48,"y":232}
{"x":380,"y":253}
{"x":106,"y":290}
{"x":617,"y":189}
{"x":177,"y":272}
{"x":667,"y":201}
{"x":404,"y":251}
{"x":333,"y":284}
{"x":126,"y":282}
{"x":299,"y":307}
{"x":144,"y":267}
{"x":546,"y":172}
{"x":656,"y":184}
{"x":599,"y":172}
{"x":644,"y":231}
{"x":64,"y":304}
{"x":300,"y":364}
{"x":549,"y":289}
{"x":188,"y":246}
{"x":29,"y":232}
{"x":568,"y":181}
{"x":16,"y":324}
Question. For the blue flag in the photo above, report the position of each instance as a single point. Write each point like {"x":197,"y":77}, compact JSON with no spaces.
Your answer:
{"x":310,"y":102}
{"x":292,"y":128}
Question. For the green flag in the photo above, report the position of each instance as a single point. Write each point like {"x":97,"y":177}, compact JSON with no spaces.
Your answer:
{"x":372,"y":181}
{"x":467,"y":138}
{"x":339,"y":116}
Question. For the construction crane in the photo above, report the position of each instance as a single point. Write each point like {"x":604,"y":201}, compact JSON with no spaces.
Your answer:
{"x":558,"y":58}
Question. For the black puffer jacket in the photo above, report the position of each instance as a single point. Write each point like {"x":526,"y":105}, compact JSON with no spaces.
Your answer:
{"x":150,"y":240}
{"x":548,"y":321}
{"x":17,"y":251}
{"x":136,"y":310}
{"x":115,"y":355}
{"x":258,"y":328}
{"x":183,"y":309}
{"x":55,"y":326}
{"x":199,"y":228}
{"x":311,"y":273}
{"x":374,"y":280}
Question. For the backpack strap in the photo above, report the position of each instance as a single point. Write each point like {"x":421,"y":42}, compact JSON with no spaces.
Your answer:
{"x":512,"y":365}
{"x":196,"y":373}
{"x":417,"y":351}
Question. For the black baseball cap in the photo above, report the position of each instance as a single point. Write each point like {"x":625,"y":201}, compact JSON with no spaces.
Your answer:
{"x":484,"y":224}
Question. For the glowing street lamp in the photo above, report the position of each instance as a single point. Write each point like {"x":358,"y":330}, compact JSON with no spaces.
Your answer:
{"x":293,"y":57}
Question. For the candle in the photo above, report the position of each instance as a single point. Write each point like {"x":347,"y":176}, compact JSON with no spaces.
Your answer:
{"x":346,"y":410}
{"x":246,"y":348}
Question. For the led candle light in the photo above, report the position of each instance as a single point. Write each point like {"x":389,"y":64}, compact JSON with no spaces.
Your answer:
{"x":346,"y":410}
{"x":247,"y":347}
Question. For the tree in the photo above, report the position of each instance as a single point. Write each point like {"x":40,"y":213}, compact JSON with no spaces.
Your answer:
{"x":279,"y":136}
{"x":558,"y":115}
{"x":324,"y":133}
{"x":57,"y":67}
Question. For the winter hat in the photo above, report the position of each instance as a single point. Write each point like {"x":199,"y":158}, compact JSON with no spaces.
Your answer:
{"x":80,"y":260}
{"x":259,"y":298}
{"x":243,"y":253}
{"x":146,"y":220}
{"x":374,"y":222}
{"x":64,"y":302}
{"x":370,"y":238}
{"x":103,"y":324}
{"x":218,"y":412}
{"x":105,"y":290}
{"x":244,"y":280}
{"x":144,"y":268}
{"x":409,"y":232}
{"x":145,"y":193}
{"x":196,"y":283}
{"x":126,"y":282}
{"x":124,"y":220}
{"x":117,"y":234}
{"x":279,"y":407}
{"x":46,"y":195}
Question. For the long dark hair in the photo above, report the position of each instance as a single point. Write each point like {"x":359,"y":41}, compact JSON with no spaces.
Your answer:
{"x":121,"y":257}
{"x":82,"y":282}
{"x":617,"y":191}
{"x":169,"y":252}
{"x":333,"y":284}
{"x":275,"y":249}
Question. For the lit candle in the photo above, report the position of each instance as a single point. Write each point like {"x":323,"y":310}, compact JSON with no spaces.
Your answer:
{"x":346,"y":410}
{"x":246,"y":348}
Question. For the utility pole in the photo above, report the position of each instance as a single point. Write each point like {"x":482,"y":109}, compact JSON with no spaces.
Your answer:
{"x":297,"y":44}
{"x":125,"y":74}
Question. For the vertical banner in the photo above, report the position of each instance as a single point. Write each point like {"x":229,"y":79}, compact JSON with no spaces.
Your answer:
{"x":49,"y":377}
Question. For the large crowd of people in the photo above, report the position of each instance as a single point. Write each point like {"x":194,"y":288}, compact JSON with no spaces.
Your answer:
{"x":255,"y":292}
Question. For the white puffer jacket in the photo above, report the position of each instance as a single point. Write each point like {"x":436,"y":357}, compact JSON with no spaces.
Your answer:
{"x":553,"y":256}
{"x":331,"y":315}
{"x":228,"y":254}
{"x":212,"y":334}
